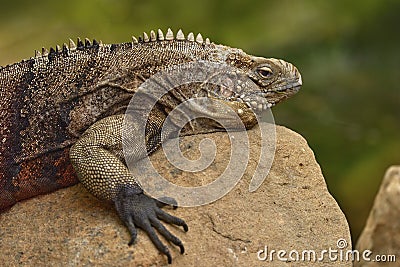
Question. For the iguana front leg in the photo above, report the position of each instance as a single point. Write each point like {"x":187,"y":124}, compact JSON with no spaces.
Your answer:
{"x":98,"y":160}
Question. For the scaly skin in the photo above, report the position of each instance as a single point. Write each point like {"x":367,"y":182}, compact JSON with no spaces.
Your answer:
{"x":66,"y":106}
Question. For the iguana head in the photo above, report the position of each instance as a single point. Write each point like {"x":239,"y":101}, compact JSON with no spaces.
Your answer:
{"x":277,"y":80}
{"x":259,"y":83}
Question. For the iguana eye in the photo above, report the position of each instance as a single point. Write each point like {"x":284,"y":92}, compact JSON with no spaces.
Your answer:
{"x":265,"y":72}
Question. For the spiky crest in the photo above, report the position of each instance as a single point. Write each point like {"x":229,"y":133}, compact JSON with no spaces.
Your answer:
{"x":155,"y":36}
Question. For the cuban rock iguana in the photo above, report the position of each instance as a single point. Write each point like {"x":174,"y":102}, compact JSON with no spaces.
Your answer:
{"x":67,"y":106}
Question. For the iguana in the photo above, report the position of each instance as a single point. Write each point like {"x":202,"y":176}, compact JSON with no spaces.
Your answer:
{"x":67,"y":105}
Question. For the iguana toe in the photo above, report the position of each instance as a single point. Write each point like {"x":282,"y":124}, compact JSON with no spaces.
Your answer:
{"x":139,"y":210}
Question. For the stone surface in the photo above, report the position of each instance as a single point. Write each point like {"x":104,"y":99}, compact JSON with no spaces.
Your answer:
{"x":292,"y":210}
{"x":381,"y":234}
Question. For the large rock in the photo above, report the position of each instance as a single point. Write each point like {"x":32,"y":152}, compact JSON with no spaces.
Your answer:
{"x":381,"y":235}
{"x":292,"y":211}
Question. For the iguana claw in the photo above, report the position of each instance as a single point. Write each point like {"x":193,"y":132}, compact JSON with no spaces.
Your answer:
{"x":138,"y":210}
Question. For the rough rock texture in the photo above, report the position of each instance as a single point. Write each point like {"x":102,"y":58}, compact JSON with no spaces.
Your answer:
{"x":381,"y":234}
{"x":292,"y":210}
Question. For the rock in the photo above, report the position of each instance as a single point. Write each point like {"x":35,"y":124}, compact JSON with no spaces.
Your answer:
{"x":292,"y":211}
{"x":381,"y":234}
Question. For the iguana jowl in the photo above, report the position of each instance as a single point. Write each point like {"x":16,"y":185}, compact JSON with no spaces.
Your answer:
{"x":67,"y":105}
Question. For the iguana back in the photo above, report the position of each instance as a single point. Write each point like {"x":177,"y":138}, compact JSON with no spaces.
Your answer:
{"x":48,"y":101}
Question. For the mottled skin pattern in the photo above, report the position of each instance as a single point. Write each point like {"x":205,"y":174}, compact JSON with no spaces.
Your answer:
{"x":76,"y":96}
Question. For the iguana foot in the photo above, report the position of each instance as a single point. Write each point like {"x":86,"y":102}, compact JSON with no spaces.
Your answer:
{"x":138,"y":210}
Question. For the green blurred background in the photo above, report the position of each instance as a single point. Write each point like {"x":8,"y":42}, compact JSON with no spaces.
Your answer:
{"x":347,"y":51}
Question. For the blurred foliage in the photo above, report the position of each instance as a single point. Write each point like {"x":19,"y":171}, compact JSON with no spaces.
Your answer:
{"x":347,"y":51}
